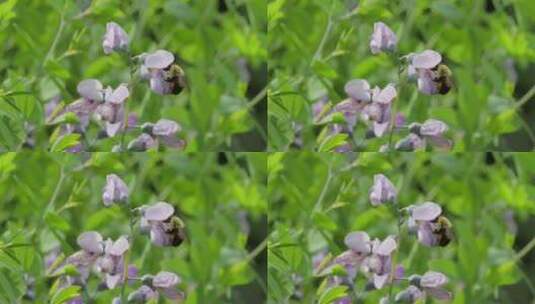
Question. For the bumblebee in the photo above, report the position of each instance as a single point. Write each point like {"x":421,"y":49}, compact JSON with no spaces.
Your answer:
{"x":442,"y":231}
{"x":175,"y":230}
{"x":175,"y":76}
{"x":442,"y":78}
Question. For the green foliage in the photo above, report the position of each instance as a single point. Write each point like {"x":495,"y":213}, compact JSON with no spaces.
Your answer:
{"x":222,"y":49}
{"x":53,"y":197}
{"x":317,"y":198}
{"x":317,"y":46}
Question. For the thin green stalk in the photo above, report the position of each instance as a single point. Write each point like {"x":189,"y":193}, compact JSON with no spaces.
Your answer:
{"x":328,"y":29}
{"x":394,"y":259}
{"x":128,"y":255}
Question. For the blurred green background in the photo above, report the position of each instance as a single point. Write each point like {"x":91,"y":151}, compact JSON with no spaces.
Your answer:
{"x":49,"y":46}
{"x":488,"y":197}
{"x":220,"y":196}
{"x":488,"y":44}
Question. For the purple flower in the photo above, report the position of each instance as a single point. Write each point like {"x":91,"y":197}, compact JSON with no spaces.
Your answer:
{"x":83,"y":260}
{"x":358,"y":90}
{"x":410,"y":294}
{"x":164,"y":75}
{"x":423,"y":219}
{"x":379,"y":110}
{"x":422,"y":66}
{"x":382,"y":39}
{"x":165,"y":229}
{"x":431,"y":283}
{"x":382,"y":190}
{"x":380,"y":262}
{"x":142,"y":295}
{"x":142,"y":143}
{"x":432,"y":131}
{"x":112,"y":262}
{"x":163,"y":131}
{"x":91,"y":242}
{"x":112,"y":109}
{"x":115,"y":38}
{"x":166,"y":283}
{"x":410,"y":143}
{"x":115,"y":190}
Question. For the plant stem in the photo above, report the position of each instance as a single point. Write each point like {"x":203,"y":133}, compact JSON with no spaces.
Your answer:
{"x":131,"y":94}
{"x":393,"y":268}
{"x":323,"y":192}
{"x":128,"y":255}
{"x":328,"y":29}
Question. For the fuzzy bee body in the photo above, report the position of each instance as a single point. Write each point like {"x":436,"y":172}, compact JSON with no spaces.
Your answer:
{"x":442,"y":231}
{"x":175,"y":76}
{"x":442,"y":79}
{"x":175,"y":229}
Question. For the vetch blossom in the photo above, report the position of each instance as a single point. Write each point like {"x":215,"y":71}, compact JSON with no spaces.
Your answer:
{"x":115,"y":190}
{"x":165,"y":228}
{"x":430,"y":283}
{"x":112,"y":262}
{"x":163,"y":131}
{"x":432,"y":131}
{"x":431,"y":227}
{"x":111,"y":111}
{"x":115,"y":38}
{"x":164,"y":75}
{"x":380,"y":262}
{"x":382,"y":190}
{"x":432,"y":76}
{"x":382,"y":39}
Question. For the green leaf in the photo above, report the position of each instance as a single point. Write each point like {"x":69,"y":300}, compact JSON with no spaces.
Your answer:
{"x":323,"y":69}
{"x":54,"y":68}
{"x":57,"y":222}
{"x":65,"y":294}
{"x":332,"y":142}
{"x":332,"y":294}
{"x":64,"y":142}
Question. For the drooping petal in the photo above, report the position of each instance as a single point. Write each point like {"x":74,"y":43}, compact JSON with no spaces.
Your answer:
{"x":142,"y":143}
{"x":425,"y":234}
{"x":409,"y":295}
{"x":113,"y":129}
{"x":426,"y":83}
{"x":439,"y":293}
{"x":380,"y":280}
{"x":410,"y":143}
{"x":427,"y":211}
{"x":173,"y":142}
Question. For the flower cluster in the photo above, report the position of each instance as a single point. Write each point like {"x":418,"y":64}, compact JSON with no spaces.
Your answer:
{"x":108,"y":106}
{"x":107,"y":258}
{"x":374,"y":258}
{"x":374,"y":106}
